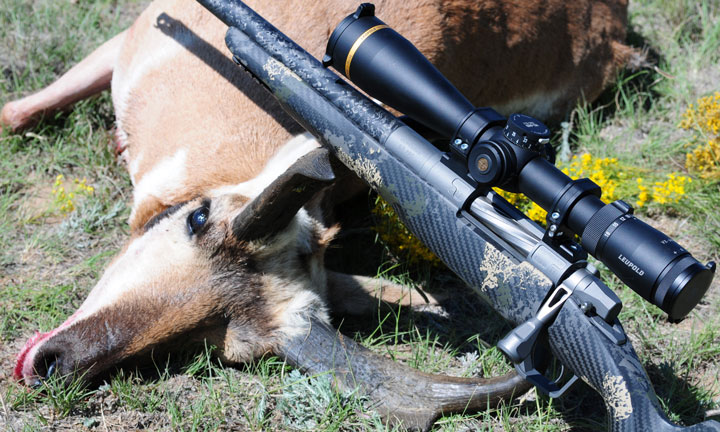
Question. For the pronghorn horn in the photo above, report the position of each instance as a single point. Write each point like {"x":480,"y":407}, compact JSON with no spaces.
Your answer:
{"x":398,"y":392}
{"x":275,"y":207}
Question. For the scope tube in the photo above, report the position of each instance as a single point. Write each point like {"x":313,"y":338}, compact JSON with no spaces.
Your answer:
{"x":645,"y":259}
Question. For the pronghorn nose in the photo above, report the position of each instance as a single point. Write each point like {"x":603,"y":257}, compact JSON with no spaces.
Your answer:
{"x":38,"y":382}
{"x":51,"y":369}
{"x":46,"y":366}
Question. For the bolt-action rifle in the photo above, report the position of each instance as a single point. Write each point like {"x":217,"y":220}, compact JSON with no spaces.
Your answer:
{"x":536,"y":278}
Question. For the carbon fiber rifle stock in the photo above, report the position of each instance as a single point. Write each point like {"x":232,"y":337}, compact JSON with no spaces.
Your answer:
{"x":488,"y":243}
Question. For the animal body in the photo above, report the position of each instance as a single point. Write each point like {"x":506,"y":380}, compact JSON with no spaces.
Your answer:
{"x":203,"y":143}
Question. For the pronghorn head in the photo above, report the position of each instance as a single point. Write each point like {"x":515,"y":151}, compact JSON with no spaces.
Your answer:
{"x":247,"y":276}
{"x":236,"y":272}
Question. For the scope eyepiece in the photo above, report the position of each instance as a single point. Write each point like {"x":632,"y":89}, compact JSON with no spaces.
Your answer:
{"x":645,"y":259}
{"x":648,"y":261}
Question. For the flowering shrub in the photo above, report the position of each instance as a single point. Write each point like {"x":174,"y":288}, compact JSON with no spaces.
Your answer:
{"x":667,"y":192}
{"x":64,"y":199}
{"x":617,"y":181}
{"x":704,"y":119}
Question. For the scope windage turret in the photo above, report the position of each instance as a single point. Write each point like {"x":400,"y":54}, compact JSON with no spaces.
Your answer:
{"x":388,"y":67}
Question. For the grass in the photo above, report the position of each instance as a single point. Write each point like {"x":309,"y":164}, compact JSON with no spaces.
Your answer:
{"x":50,"y":259}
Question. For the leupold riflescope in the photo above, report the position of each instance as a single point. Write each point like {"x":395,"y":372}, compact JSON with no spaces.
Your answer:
{"x":515,"y":154}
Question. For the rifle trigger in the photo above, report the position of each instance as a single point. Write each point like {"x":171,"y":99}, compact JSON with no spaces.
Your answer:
{"x":563,"y":389}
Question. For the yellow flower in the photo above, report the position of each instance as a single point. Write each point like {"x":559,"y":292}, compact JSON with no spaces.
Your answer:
{"x":644,"y":196}
{"x":671,"y":190}
{"x":398,"y":238}
{"x":705,"y":159}
{"x":704,"y":118}
{"x":536,"y":213}
{"x":64,"y":199}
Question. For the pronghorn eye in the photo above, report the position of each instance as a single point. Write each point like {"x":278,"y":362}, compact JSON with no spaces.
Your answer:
{"x":198,"y":218}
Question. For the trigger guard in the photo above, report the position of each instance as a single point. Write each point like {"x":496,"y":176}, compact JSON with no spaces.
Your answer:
{"x":547,"y":386}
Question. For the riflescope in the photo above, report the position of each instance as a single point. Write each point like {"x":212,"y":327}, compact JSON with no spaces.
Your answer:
{"x":515,"y":154}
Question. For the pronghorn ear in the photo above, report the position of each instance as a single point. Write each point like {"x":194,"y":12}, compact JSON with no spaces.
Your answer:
{"x":275,"y":207}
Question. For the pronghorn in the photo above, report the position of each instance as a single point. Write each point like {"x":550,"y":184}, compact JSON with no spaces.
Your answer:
{"x":206,"y":148}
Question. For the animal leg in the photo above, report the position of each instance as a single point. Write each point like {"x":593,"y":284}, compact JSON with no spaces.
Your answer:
{"x":360,"y":295}
{"x":91,"y":76}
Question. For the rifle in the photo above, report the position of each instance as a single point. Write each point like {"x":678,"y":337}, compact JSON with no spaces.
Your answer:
{"x":538,"y":278}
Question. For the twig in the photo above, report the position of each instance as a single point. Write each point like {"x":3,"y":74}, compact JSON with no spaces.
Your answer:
{"x":112,"y":181}
{"x":565,"y":143}
{"x":712,"y":413}
{"x":663,"y":73}
{"x":102,"y":414}
{"x":4,"y":407}
{"x":36,"y":136}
